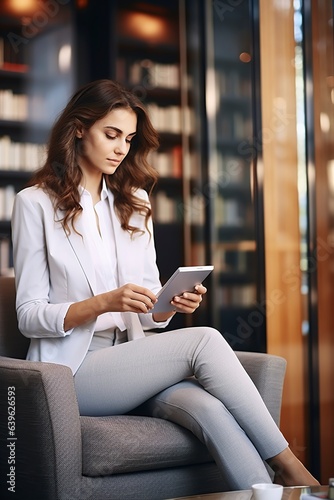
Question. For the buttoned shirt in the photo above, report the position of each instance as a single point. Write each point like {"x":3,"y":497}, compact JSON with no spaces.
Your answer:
{"x":100,"y":240}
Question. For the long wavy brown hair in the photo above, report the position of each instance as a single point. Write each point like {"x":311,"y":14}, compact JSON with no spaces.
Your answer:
{"x":60,"y":176}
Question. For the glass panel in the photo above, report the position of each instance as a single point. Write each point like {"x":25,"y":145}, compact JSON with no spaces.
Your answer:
{"x":229,"y":106}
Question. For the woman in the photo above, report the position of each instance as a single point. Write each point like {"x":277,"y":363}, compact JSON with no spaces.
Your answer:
{"x":86,"y":279}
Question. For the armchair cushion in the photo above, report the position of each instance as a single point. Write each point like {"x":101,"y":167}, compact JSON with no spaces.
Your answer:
{"x":129,"y":443}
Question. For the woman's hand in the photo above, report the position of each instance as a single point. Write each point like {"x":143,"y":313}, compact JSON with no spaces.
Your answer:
{"x":130,"y":297}
{"x":188,"y":302}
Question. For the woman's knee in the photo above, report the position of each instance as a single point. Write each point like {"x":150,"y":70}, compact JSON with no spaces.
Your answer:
{"x":212,"y":335}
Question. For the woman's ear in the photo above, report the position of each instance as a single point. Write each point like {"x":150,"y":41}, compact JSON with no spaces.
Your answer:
{"x":79,"y":133}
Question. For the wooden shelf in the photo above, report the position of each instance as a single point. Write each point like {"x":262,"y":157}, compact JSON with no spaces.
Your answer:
{"x":5,"y":227}
{"x":23,"y":125}
{"x":173,"y":184}
{"x":15,"y":174}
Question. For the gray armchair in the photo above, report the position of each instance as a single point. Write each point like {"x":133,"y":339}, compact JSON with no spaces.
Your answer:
{"x":60,"y":455}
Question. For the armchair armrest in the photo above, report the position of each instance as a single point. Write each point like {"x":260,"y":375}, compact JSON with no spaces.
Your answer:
{"x":267,"y":372}
{"x":46,"y":453}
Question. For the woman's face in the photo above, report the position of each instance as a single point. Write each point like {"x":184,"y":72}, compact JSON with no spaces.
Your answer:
{"x":107,"y":142}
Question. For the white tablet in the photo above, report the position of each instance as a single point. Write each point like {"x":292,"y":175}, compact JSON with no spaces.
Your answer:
{"x":183,"y":280}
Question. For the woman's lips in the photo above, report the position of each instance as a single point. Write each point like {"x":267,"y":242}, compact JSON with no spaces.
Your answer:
{"x":114,"y":161}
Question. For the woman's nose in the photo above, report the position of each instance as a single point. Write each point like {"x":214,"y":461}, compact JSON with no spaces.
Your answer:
{"x":121,"y":147}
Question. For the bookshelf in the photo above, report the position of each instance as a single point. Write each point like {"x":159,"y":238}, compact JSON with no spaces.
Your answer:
{"x":222,"y":70}
{"x":35,"y":82}
{"x":148,"y":65}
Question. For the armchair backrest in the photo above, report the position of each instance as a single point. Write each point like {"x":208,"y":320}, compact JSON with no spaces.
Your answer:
{"x":12,"y":343}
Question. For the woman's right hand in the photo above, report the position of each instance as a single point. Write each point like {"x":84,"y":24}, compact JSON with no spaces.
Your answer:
{"x":130,"y":297}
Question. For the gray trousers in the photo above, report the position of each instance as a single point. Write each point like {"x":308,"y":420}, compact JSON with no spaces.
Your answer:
{"x":192,"y":377}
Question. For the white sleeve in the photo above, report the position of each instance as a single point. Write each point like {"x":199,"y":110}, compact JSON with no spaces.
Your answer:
{"x":36,"y":316}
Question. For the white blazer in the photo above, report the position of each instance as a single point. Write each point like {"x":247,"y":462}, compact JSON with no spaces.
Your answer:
{"x":53,"y":270}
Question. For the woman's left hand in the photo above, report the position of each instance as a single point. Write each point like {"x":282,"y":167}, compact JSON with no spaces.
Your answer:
{"x":188,"y":302}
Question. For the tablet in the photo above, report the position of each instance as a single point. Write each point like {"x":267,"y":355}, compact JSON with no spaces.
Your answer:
{"x":183,"y":280}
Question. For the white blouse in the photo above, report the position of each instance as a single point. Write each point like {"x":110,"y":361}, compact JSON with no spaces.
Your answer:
{"x":100,"y":241}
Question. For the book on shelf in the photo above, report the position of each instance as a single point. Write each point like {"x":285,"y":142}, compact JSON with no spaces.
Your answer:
{"x":6,"y":260}
{"x":198,"y":253}
{"x":239,"y":128}
{"x":13,"y":106}
{"x":23,"y":156}
{"x":164,"y":208}
{"x":169,"y":210}
{"x":235,"y":127}
{"x":14,"y":67}
{"x":240,"y":295}
{"x":151,"y":74}
{"x":227,"y":212}
{"x":171,"y":119}
{"x":11,"y":59}
{"x":193,"y":209}
{"x":232,"y":84}
{"x":148,"y":74}
{"x":168,"y":163}
{"x":7,"y":195}
{"x":232,"y":171}
{"x":2,"y":51}
{"x":234,"y":261}
{"x":165,"y":119}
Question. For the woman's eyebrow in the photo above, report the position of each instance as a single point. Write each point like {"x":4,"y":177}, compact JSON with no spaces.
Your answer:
{"x":118,"y":130}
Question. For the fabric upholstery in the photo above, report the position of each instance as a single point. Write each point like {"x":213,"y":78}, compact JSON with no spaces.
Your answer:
{"x":137,"y":444}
